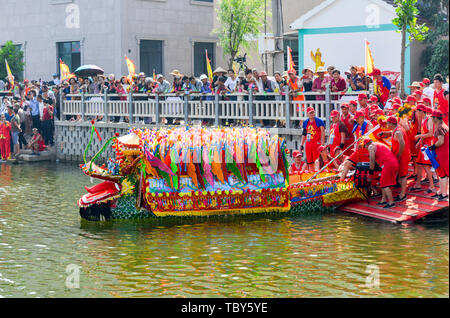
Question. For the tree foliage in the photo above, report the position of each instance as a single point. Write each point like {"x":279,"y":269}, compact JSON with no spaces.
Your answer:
{"x":240,"y":21}
{"x":14,"y":56}
{"x":406,"y":21}
{"x":435,"y":56}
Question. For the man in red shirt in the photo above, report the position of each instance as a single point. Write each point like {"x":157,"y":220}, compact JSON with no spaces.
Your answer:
{"x":400,"y":148}
{"x":313,"y":137}
{"x":297,"y":165}
{"x":347,"y":119}
{"x":383,"y":156}
{"x":424,"y":139}
{"x":338,"y":132}
{"x":360,"y":154}
{"x":411,"y":100}
{"x":440,"y":103}
{"x":47,"y":127}
{"x":383,"y":85}
{"x":362,"y":100}
{"x":372,"y":106}
{"x":426,"y":101}
{"x":418,"y":95}
{"x":5,"y":147}
{"x":353,"y":107}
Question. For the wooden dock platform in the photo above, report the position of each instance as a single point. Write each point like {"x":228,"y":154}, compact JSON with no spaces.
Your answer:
{"x":417,"y":206}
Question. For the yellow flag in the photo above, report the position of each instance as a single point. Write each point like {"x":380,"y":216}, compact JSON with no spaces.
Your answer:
{"x":64,"y":71}
{"x":10,"y":76}
{"x":208,"y":67}
{"x":131,"y":67}
{"x":370,"y":65}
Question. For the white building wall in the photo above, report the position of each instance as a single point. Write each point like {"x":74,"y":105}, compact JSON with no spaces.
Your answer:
{"x":108,"y":30}
{"x":345,"y":49}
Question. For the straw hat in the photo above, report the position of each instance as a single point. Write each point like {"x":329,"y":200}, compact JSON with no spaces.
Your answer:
{"x":219,"y":70}
{"x":285,"y":74}
{"x":307,"y":69}
{"x":176,"y":73}
{"x":321,"y":69}
{"x":415,"y":84}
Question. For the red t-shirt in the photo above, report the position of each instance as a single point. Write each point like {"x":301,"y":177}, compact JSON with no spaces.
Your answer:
{"x":45,"y":113}
{"x":396,"y":145}
{"x":313,"y":131}
{"x":441,"y":104}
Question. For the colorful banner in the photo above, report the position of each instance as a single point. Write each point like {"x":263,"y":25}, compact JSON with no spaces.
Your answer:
{"x":65,"y":73}
{"x":391,"y":76}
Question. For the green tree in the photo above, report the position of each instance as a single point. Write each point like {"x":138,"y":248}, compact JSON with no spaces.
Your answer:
{"x":14,"y":56}
{"x":240,"y":21}
{"x":406,"y":21}
{"x":435,"y":56}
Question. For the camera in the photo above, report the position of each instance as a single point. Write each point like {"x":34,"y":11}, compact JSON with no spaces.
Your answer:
{"x":241,"y":59}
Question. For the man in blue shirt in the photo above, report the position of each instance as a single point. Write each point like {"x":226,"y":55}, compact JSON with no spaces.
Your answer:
{"x":35,"y":114}
{"x":206,"y":87}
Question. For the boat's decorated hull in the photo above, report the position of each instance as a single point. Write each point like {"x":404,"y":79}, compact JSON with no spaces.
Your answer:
{"x":197,"y":172}
{"x":296,"y":201}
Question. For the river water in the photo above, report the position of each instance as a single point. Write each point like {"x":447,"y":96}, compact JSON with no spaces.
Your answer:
{"x":43,"y":242}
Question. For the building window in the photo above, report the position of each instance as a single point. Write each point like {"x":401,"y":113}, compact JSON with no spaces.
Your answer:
{"x":151,"y":57}
{"x":201,"y":1}
{"x":69,"y":53}
{"x":200,"y":57}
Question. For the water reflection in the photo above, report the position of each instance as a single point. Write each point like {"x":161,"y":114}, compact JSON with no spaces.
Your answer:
{"x":315,"y":255}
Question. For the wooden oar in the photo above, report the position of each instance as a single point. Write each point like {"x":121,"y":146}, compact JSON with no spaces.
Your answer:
{"x":326,"y":166}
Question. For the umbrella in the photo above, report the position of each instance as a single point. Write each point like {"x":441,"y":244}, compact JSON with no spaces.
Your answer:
{"x":88,"y":70}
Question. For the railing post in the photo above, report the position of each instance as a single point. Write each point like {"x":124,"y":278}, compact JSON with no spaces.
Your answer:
{"x":105,"y":108}
{"x":186,"y":109}
{"x":216,"y":110}
{"x":157,"y":111}
{"x":61,"y":104}
{"x":287,"y":107}
{"x":327,"y":106}
{"x":130,"y":107}
{"x":250,"y":107}
{"x":83,"y":106}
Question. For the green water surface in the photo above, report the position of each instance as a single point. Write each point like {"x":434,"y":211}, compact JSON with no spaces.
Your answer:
{"x":315,"y":255}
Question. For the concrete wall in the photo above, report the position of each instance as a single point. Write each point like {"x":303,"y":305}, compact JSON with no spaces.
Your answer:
{"x":417,"y":49}
{"x":292,"y":9}
{"x":38,"y":25}
{"x":108,"y":30}
{"x":179,"y":23}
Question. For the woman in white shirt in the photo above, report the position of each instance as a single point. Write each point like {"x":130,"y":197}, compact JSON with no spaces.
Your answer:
{"x":231,"y":82}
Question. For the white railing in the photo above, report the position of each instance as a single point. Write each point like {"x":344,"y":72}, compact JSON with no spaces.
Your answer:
{"x":252,"y":107}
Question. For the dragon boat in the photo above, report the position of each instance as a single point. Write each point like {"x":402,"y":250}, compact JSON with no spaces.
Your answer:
{"x":201,"y":172}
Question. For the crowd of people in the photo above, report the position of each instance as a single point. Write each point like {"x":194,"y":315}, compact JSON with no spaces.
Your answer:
{"x":388,"y":133}
{"x":398,"y":139}
{"x":27,"y":120}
